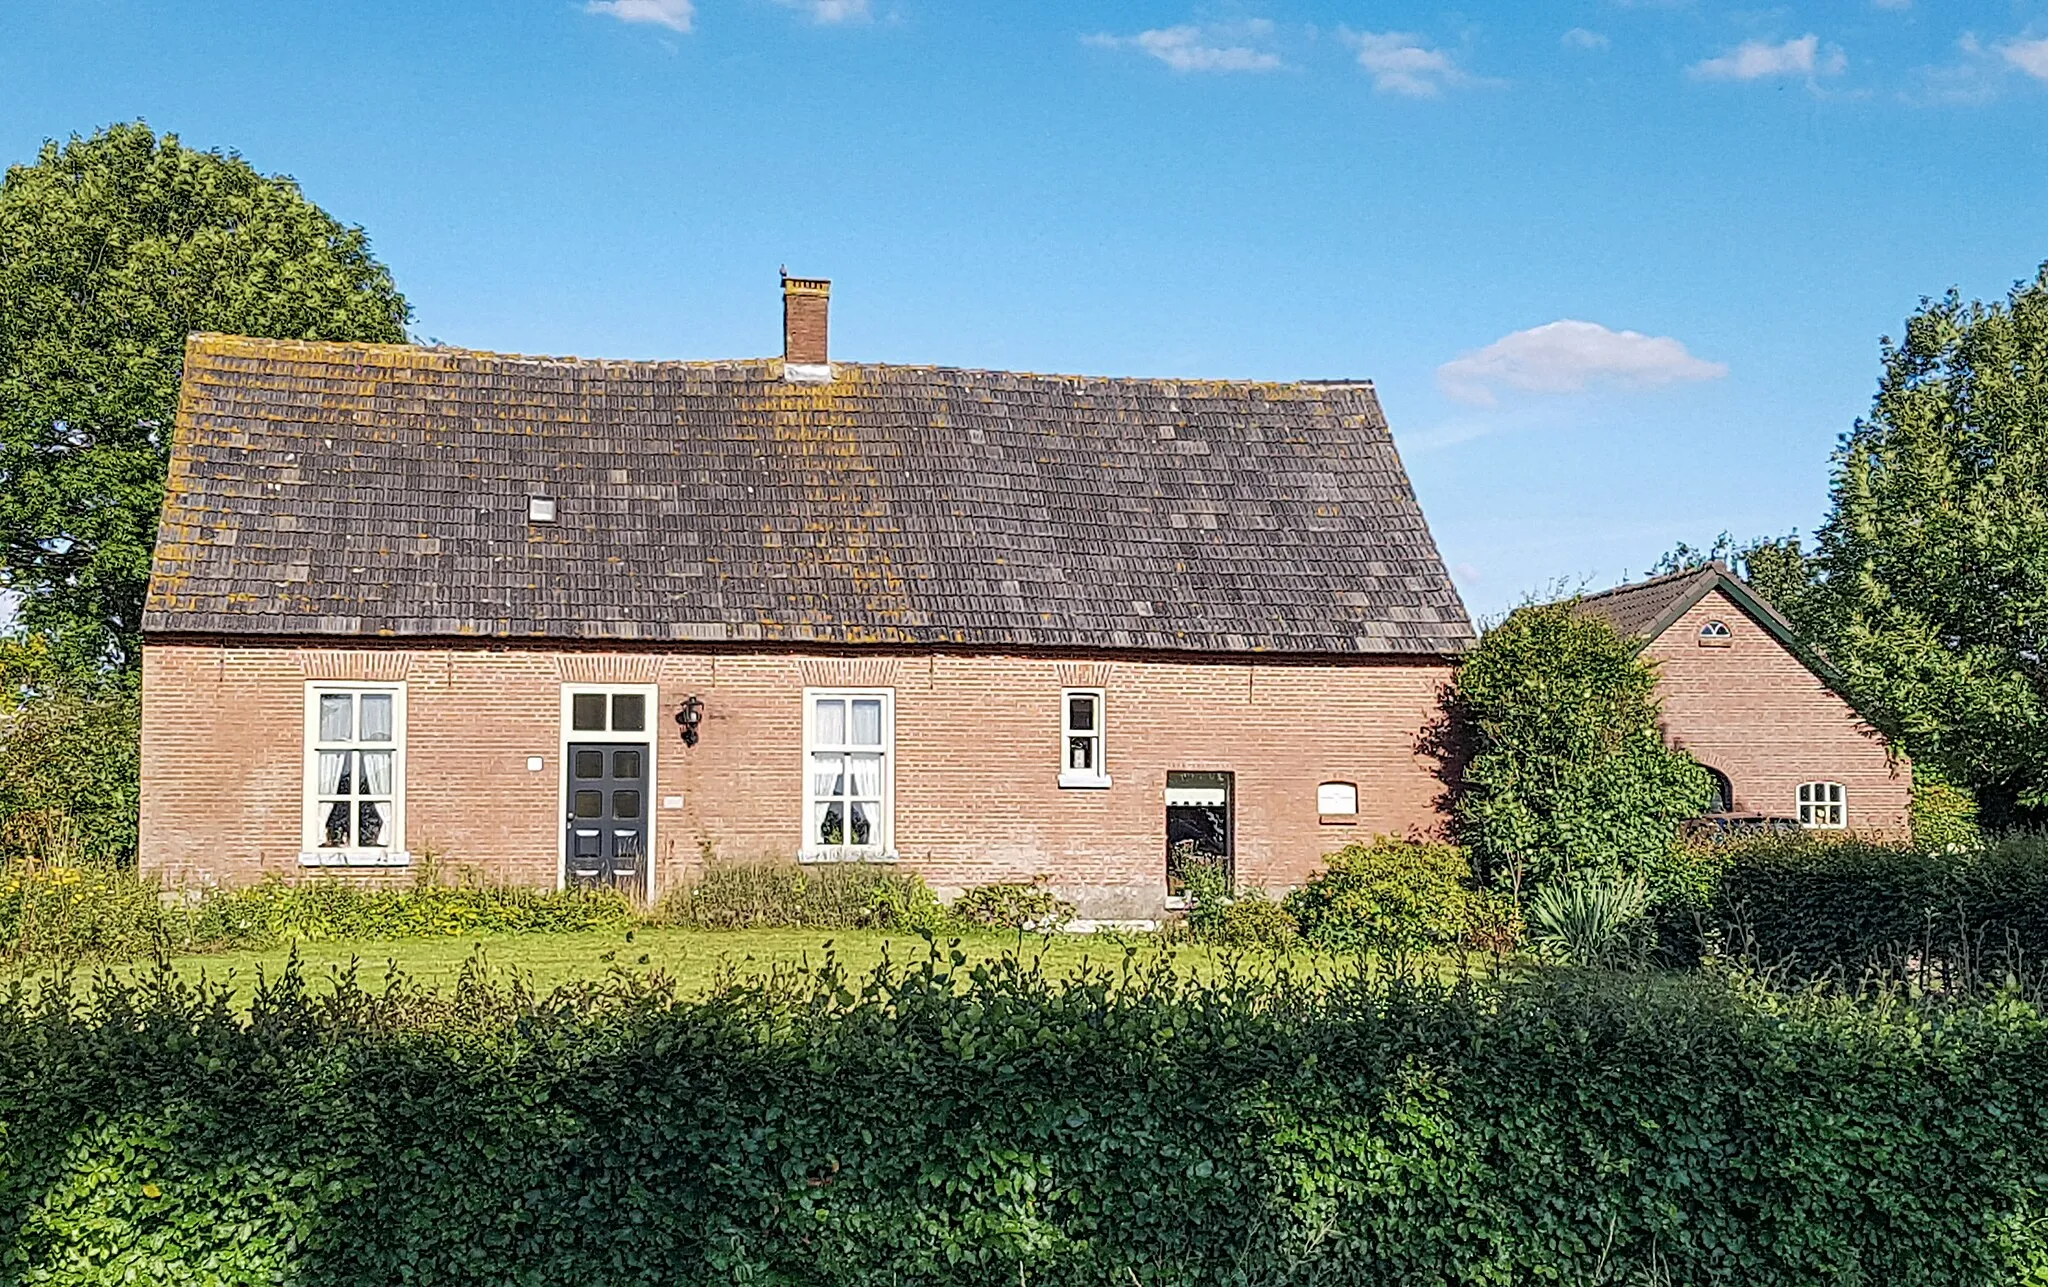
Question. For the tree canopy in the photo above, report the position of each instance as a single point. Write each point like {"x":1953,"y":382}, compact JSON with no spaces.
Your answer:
{"x":112,"y":250}
{"x":1565,"y":765}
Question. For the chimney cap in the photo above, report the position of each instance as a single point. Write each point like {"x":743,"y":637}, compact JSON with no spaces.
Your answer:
{"x":805,"y":285}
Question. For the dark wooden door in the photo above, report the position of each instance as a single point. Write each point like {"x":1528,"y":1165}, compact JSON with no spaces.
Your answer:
{"x":607,"y":825}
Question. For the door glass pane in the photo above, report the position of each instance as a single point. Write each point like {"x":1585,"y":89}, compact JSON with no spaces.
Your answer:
{"x":831,"y":722}
{"x":831,"y":824}
{"x":1081,"y":714}
{"x":333,"y":779}
{"x":629,"y":713}
{"x":590,"y":804}
{"x":625,"y":804}
{"x":335,"y":829}
{"x":863,"y":823}
{"x":589,"y":764}
{"x":867,"y":722}
{"x":376,"y":717}
{"x":586,"y":712}
{"x":337,"y":717}
{"x":373,"y":820}
{"x":376,"y":772}
{"x":626,"y":765}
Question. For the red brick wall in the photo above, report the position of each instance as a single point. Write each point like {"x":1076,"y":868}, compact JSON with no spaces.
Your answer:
{"x":1756,"y":713}
{"x":977,"y":759}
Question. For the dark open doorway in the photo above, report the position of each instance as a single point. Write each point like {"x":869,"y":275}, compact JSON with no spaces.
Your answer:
{"x":1199,"y":826}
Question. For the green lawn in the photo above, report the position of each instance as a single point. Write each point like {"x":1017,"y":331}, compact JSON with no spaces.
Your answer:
{"x":693,"y":958}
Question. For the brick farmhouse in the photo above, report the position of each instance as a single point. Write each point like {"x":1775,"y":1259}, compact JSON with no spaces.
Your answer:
{"x":1749,"y":702}
{"x":590,"y":621}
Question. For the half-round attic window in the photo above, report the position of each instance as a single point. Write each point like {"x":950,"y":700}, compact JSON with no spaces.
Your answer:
{"x":1715,"y":634}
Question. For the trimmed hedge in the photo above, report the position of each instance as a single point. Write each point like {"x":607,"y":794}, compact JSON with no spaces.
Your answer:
{"x":1813,"y":905}
{"x":942,"y":1126}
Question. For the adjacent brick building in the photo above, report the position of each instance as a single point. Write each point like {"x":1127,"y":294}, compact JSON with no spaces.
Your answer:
{"x":1750,"y":703}
{"x":563,"y":620}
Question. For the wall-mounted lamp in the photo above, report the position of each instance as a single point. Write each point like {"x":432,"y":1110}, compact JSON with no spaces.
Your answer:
{"x":690,"y":716}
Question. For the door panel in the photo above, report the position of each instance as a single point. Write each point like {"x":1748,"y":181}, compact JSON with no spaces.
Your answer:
{"x":607,"y":817}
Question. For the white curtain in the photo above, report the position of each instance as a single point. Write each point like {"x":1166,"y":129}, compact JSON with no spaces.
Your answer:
{"x":831,"y":729}
{"x":866,"y":771}
{"x":867,"y":723}
{"x":376,"y":772}
{"x":828,"y":776}
{"x":334,"y":773}
{"x":376,"y":717}
{"x":337,"y":717}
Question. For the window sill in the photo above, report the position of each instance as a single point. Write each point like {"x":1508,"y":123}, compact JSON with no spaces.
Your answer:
{"x":820,"y":857}
{"x":1337,"y":819}
{"x":1177,"y":902}
{"x":1084,"y":782}
{"x":354,"y":858}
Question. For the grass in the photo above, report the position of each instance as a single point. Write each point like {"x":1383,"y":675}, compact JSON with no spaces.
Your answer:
{"x":694,"y":958}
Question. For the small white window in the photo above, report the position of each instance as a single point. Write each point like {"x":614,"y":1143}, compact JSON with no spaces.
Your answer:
{"x":1337,"y":799}
{"x":1715,"y":634}
{"x":849,"y":740}
{"x":1823,"y":805}
{"x":1081,"y":738}
{"x":354,"y":776}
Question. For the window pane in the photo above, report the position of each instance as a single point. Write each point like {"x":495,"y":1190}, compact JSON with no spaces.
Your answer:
{"x":589,"y":764}
{"x":626,"y":765}
{"x":376,"y":773}
{"x":867,"y":722}
{"x":831,"y":824}
{"x":586,"y":712}
{"x":336,"y":827}
{"x":333,"y":774}
{"x":590,"y":804}
{"x":373,"y":823}
{"x":625,"y":804}
{"x":830,"y":728}
{"x":376,"y":717}
{"x":1337,"y":798}
{"x":827,"y":776}
{"x":629,"y":713}
{"x":865,"y":775}
{"x":1081,"y":714}
{"x":337,"y":717}
{"x":863,"y":823}
{"x":1081,"y":754}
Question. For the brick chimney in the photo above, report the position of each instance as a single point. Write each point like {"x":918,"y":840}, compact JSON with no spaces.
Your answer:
{"x":806,"y":302}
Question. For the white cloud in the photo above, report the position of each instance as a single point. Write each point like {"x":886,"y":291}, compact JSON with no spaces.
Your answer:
{"x":676,"y":15}
{"x":1234,"y":47}
{"x":829,"y":11}
{"x":2030,"y":56}
{"x":1405,"y":64}
{"x":1571,"y":357}
{"x":1756,"y":59}
{"x":1580,"y":38}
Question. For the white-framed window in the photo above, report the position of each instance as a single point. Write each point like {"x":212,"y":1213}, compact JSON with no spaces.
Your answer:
{"x":849,"y":775}
{"x":354,"y":776}
{"x":1083,"y":717}
{"x":1823,"y":805}
{"x":1715,"y":634}
{"x":1337,"y":800}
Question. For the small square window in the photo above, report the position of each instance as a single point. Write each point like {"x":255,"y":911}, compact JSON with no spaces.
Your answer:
{"x":540,"y":509}
{"x":586,"y":712}
{"x":1337,"y":799}
{"x":1823,"y":806}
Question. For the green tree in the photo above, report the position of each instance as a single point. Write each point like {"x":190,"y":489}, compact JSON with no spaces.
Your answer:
{"x":1565,"y":766}
{"x":1931,"y":574}
{"x":112,"y":250}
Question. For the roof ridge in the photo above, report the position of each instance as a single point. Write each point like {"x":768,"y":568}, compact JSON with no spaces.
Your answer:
{"x":1714,"y":568}
{"x":222,"y":342}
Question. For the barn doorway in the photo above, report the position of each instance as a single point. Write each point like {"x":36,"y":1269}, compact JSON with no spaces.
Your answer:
{"x":1200,"y":827}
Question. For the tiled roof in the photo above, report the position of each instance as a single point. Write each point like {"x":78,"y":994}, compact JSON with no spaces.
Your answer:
{"x":1635,"y":610}
{"x":349,"y":489}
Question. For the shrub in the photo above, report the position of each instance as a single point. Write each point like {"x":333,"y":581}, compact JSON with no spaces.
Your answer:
{"x":946,"y":1125}
{"x":69,"y":767}
{"x":1394,"y":895}
{"x":1025,"y":905}
{"x":786,"y":895}
{"x":57,"y":914}
{"x":1593,"y":919}
{"x":1944,"y":816}
{"x":1555,"y":717}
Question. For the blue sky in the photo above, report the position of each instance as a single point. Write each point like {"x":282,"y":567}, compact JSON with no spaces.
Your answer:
{"x":1619,"y":267}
